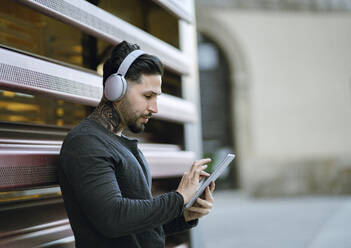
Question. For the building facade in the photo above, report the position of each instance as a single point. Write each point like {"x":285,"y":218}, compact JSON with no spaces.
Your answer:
{"x":289,"y":70}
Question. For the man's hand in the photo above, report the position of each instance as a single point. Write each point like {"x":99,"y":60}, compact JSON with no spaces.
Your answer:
{"x":190,"y":180}
{"x":202,"y":207}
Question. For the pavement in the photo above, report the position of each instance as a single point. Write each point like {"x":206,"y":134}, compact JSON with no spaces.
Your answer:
{"x":237,"y":220}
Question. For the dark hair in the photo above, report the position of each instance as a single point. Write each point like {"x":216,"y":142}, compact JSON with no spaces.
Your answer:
{"x":145,"y":64}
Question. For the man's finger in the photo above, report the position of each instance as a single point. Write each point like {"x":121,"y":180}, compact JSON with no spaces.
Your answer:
{"x":203,"y":174}
{"x":202,"y":211}
{"x":208,"y":195}
{"x":197,"y":164}
{"x":199,"y":171}
{"x":204,"y":203}
{"x":200,"y":162}
{"x":212,"y":186}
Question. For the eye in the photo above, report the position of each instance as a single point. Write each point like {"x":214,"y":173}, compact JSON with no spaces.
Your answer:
{"x":148,"y":96}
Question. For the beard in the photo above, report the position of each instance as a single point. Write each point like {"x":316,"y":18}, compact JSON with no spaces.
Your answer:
{"x":131,"y":117}
{"x":134,"y":126}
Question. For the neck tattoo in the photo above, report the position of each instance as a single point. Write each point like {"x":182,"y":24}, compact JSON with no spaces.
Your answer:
{"x":107,"y":115}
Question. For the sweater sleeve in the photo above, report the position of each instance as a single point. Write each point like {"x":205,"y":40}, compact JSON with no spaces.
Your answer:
{"x":179,"y":225}
{"x":90,"y":171}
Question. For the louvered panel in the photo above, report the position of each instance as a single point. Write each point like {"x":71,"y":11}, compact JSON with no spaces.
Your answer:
{"x":41,"y":238}
{"x":38,"y":225}
{"x":100,"y":23}
{"x":24,"y":73}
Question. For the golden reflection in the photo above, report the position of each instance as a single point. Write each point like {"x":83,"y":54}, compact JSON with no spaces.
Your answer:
{"x":17,"y":118}
{"x":100,"y":69}
{"x":15,"y":106}
{"x":25,"y":195}
{"x":77,"y":49}
{"x":8,"y":93}
{"x":19,"y":198}
{"x":59,"y":112}
{"x":59,"y":122}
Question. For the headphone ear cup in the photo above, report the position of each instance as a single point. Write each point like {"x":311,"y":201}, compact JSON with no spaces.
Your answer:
{"x":124,"y":86}
{"x":115,"y":87}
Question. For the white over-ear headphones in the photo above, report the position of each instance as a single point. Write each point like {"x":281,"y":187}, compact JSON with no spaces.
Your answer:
{"x":116,"y":84}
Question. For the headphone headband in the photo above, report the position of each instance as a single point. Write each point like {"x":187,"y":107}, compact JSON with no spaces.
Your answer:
{"x":128,"y":61}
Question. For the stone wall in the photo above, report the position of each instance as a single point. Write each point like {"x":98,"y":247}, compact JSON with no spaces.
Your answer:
{"x":291,"y":97}
{"x":271,"y":178}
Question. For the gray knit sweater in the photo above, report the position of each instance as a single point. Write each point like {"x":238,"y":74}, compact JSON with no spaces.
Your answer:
{"x":106,"y":186}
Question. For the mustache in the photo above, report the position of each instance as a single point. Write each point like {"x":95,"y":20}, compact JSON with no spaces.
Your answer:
{"x":147,"y":115}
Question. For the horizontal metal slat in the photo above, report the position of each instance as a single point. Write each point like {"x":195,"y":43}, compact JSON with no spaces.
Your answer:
{"x":27,"y":165}
{"x":27,"y":74}
{"x":100,"y":23}
{"x":32,"y":229}
{"x":169,"y":164}
{"x":64,"y":242}
{"x":30,"y":142}
{"x":175,"y":8}
{"x":27,"y":168}
{"x":176,"y":109}
{"x":37,"y":238}
{"x":31,"y":75}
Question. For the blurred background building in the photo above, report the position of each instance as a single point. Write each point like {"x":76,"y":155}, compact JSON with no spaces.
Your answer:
{"x":275,"y":79}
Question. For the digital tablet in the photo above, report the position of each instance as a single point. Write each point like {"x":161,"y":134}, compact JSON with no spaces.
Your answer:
{"x":218,"y":170}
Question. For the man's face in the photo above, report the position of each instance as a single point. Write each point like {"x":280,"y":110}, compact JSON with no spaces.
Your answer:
{"x":140,"y":102}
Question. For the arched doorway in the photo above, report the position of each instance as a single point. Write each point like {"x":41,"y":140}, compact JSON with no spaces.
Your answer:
{"x":216,"y":106}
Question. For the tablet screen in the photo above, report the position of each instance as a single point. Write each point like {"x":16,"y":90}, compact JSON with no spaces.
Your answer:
{"x":218,"y":170}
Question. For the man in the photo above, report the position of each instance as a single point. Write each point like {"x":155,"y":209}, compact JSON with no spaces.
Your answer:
{"x":104,"y":177}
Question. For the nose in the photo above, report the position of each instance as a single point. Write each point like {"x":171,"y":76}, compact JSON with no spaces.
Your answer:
{"x":153,"y":106}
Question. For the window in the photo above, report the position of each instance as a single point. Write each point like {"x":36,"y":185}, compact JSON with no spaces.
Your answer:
{"x":35,"y":109}
{"x":146,"y":15}
{"x":30,"y":31}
